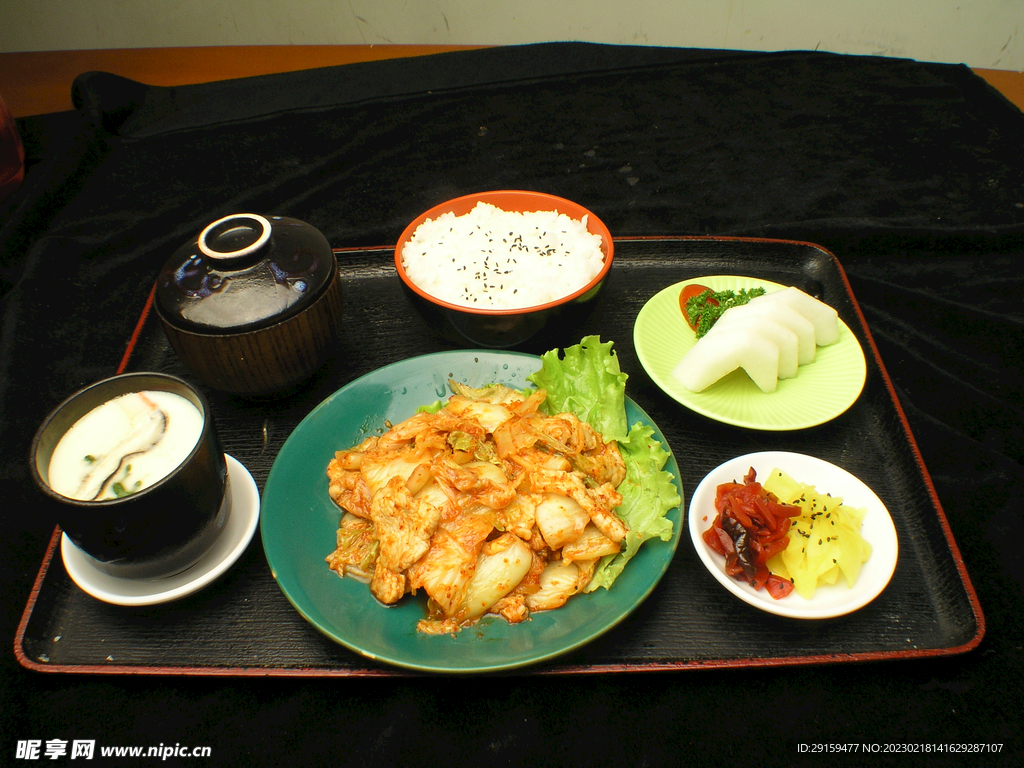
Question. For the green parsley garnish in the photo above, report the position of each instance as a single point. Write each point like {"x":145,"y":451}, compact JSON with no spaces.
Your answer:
{"x":704,"y":309}
{"x":120,"y":491}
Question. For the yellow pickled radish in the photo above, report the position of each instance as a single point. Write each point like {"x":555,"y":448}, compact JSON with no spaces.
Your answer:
{"x":824,"y":540}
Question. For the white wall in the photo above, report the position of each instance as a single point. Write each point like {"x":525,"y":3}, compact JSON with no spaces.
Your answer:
{"x":979,"y":33}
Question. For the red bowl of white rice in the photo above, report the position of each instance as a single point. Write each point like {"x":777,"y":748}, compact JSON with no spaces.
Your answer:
{"x":496,"y":267}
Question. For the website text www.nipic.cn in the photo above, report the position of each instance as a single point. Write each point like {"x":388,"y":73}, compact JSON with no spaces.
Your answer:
{"x":86,"y":749}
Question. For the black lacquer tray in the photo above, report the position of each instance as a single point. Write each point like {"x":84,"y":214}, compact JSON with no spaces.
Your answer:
{"x":242,"y":624}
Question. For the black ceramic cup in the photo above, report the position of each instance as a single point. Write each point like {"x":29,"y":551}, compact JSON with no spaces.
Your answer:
{"x":155,"y":532}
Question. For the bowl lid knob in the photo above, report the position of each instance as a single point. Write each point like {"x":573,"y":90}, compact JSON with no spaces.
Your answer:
{"x":234,"y":237}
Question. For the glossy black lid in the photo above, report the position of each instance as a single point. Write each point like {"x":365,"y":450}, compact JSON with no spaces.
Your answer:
{"x":244,"y":272}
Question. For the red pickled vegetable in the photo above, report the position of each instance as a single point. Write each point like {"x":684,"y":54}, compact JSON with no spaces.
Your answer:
{"x":751,"y":527}
{"x":688,"y":292}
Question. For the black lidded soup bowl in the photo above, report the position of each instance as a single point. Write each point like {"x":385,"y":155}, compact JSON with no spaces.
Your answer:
{"x":253,"y":305}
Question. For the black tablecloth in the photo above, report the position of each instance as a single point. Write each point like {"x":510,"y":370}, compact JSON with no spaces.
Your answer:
{"x":911,"y":173}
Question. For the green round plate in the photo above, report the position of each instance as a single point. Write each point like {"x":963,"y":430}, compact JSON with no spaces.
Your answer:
{"x":818,"y":393}
{"x":299,"y":522}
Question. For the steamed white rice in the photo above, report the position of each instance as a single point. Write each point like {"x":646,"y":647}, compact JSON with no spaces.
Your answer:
{"x":495,"y":259}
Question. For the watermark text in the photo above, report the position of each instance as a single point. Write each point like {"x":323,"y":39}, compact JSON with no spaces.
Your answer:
{"x":87,"y":749}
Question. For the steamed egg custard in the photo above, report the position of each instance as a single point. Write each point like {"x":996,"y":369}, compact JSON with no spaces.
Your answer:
{"x":124,"y":445}
{"x":769,"y":336}
{"x":504,"y":501}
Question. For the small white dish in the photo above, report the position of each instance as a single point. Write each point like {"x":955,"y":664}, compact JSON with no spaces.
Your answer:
{"x":238,"y":532}
{"x":830,"y":600}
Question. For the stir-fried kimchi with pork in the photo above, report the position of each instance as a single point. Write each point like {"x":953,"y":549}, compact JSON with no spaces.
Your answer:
{"x":496,"y":501}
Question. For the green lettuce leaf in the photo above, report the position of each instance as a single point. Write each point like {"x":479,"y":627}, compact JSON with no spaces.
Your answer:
{"x":648,"y":495}
{"x":586,"y":381}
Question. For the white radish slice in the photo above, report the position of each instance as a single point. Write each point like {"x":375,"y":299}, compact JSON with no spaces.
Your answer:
{"x":777,"y":333}
{"x":824,"y":317}
{"x":714,"y":357}
{"x":785,"y":316}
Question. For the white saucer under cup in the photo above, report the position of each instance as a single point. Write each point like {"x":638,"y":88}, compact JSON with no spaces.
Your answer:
{"x":239,"y":528}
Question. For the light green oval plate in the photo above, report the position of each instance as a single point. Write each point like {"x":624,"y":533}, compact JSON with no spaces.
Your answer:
{"x":818,"y":393}
{"x":299,"y":522}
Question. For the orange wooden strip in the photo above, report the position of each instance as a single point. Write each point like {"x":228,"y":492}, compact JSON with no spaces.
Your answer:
{"x":39,"y":82}
{"x":1010,"y":84}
